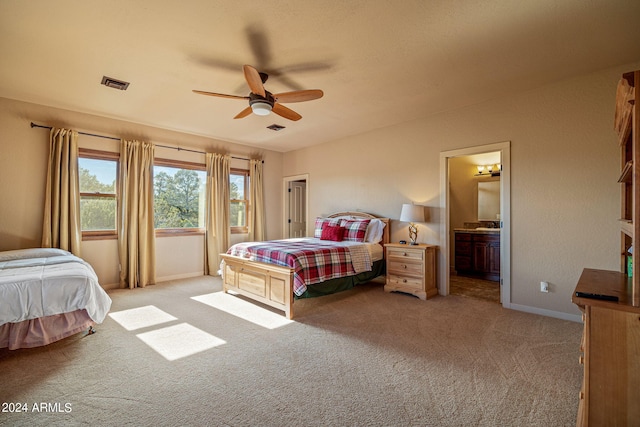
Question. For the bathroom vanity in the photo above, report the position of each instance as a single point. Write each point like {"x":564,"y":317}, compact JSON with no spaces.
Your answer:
{"x":477,"y":252}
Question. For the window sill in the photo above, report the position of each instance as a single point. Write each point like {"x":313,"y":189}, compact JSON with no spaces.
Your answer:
{"x":99,"y":235}
{"x":171,"y":232}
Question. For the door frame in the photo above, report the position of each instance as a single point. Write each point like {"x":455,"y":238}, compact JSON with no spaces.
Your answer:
{"x":505,"y":216}
{"x":285,"y":202}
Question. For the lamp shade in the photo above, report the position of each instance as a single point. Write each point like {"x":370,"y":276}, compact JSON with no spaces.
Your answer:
{"x":412,"y":213}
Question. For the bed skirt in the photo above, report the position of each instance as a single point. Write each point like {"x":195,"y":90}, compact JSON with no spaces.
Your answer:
{"x":343,"y":283}
{"x":44,"y":330}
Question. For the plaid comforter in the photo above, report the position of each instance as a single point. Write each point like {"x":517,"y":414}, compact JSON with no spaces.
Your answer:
{"x":313,"y":260}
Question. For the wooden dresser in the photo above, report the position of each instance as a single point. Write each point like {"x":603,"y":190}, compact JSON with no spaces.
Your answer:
{"x":610,"y":394}
{"x":411,"y":269}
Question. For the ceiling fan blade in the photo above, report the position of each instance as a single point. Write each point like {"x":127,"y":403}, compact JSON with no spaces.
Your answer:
{"x":221,"y":95}
{"x":298,"y":95}
{"x":285,"y":112}
{"x":254,"y":80}
{"x":243,"y":113}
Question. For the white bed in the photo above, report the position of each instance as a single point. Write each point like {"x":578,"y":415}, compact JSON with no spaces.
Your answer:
{"x":46,"y":295}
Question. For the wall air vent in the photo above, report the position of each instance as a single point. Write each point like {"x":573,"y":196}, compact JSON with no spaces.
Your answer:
{"x":114,"y":83}
{"x":275,"y":127}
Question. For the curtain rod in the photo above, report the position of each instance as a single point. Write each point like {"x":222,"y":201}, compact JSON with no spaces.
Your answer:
{"x":33,"y":125}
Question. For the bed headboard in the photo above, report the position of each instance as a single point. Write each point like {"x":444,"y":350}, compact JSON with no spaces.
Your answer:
{"x":385,"y":234}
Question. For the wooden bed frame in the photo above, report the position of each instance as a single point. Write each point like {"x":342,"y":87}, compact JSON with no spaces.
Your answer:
{"x":272,"y":284}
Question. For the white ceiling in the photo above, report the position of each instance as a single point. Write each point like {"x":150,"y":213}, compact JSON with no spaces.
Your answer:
{"x":379,"y":62}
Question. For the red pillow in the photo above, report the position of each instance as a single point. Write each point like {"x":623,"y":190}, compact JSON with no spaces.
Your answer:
{"x":321,"y":222}
{"x":355,"y":229}
{"x":334,"y":233}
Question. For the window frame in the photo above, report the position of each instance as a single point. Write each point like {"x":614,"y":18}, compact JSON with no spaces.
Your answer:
{"x":87,"y":153}
{"x":179,"y":164}
{"x":246,"y":200}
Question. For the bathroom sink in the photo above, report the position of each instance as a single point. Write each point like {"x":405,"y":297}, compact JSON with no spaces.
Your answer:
{"x":487,"y":229}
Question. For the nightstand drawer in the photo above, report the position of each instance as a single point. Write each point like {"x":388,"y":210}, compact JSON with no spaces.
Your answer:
{"x":395,"y":279}
{"x":401,"y":267}
{"x":405,"y":253}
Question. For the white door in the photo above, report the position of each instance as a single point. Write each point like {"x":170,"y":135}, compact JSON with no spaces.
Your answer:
{"x":297,"y":205}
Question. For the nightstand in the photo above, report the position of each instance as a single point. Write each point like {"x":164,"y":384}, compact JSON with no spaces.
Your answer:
{"x":411,"y":269}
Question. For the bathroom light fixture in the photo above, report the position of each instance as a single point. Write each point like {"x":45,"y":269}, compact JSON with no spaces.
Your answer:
{"x":412,"y":213}
{"x":489,"y":170}
{"x":261,"y":108}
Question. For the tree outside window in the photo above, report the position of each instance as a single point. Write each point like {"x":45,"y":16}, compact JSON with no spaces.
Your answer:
{"x":239,"y":200}
{"x":97,"y":173}
{"x":178,"y":197}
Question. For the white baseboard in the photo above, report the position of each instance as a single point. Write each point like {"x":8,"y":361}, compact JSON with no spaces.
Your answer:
{"x":545,"y":312}
{"x":112,"y":286}
{"x":179,"y":276}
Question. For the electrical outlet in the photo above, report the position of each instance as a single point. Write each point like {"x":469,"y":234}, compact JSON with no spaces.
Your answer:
{"x":544,"y":286}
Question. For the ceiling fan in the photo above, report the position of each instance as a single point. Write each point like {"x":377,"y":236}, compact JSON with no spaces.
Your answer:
{"x":262,"y":102}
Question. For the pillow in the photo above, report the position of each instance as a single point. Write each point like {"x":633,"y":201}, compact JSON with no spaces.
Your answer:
{"x":355,"y":229}
{"x":375,"y":231}
{"x":332,"y":232}
{"x":32,"y":253}
{"x":317,"y":233}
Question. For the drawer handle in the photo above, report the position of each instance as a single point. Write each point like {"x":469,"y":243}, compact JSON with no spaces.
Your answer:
{"x":404,"y":266}
{"x":581,"y":360}
{"x":404,"y":254}
{"x":404,"y":280}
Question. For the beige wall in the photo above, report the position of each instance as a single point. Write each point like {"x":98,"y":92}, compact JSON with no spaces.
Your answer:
{"x":23,"y":165}
{"x":564,"y":168}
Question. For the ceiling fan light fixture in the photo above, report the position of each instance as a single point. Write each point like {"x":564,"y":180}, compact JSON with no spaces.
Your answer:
{"x":261,"y":108}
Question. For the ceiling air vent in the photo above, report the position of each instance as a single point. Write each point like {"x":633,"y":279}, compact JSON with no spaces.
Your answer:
{"x":275,"y":127}
{"x":114,"y":83}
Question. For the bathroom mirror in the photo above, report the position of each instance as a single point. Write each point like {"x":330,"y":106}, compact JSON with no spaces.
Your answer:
{"x":488,"y":200}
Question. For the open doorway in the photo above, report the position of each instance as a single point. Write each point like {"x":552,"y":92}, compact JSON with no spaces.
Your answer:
{"x":295,"y":206}
{"x":492,"y":154}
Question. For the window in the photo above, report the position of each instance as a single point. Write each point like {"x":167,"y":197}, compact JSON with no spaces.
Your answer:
{"x":239,"y":195}
{"x":98,"y":171}
{"x":179,"y":196}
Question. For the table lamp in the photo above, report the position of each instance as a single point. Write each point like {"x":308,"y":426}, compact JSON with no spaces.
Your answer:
{"x":412,"y":213}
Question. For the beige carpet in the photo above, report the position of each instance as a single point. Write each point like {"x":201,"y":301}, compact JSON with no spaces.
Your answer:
{"x":359,"y":358}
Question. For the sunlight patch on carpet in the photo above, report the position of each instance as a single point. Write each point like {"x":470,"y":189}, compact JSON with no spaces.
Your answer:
{"x":141,"y":317}
{"x":176,"y":342}
{"x":243,"y":309}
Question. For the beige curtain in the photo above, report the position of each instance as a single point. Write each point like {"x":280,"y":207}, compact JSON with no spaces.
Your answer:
{"x":61,"y":224}
{"x":136,"y":235}
{"x":256,"y":211}
{"x":218,"y":233}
